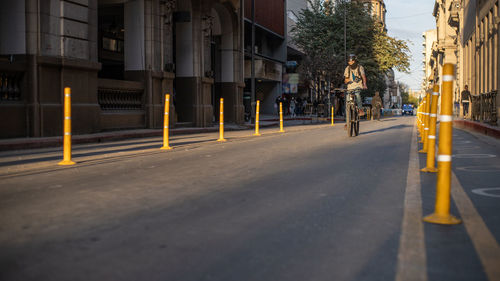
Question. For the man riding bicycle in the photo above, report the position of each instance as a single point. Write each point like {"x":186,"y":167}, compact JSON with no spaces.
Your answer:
{"x":354,"y":77}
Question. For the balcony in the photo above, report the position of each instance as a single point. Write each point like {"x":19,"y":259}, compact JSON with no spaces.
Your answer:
{"x":454,"y":18}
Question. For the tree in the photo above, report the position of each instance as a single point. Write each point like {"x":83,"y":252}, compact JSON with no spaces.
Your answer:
{"x":311,"y":35}
{"x":405,"y":95}
{"x":390,"y":52}
{"x":320,"y":34}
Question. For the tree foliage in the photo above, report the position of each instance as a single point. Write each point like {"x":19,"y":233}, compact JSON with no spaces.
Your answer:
{"x":319,"y":32}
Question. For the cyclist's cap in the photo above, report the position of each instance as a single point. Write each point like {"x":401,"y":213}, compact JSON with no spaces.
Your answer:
{"x":352,"y":57}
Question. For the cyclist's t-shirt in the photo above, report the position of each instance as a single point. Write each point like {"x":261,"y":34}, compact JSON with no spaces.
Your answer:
{"x":354,"y":75}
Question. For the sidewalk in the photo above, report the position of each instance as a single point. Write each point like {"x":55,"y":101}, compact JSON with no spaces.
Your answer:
{"x":26,"y":156}
{"x":31,"y":143}
{"x":483,"y":128}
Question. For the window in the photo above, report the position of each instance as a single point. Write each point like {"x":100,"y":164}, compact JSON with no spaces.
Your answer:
{"x":111,"y":41}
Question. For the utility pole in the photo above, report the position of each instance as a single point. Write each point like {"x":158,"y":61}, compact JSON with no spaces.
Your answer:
{"x":345,"y":32}
{"x":252,"y":79}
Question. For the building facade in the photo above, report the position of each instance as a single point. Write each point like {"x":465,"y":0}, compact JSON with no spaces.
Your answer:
{"x":270,"y":51}
{"x":429,"y":38}
{"x":478,"y":43}
{"x":120,"y":57}
{"x":468,"y":36}
{"x":377,"y":9}
{"x":293,"y":82}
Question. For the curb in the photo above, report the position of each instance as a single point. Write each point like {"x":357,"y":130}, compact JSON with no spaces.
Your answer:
{"x":33,"y":143}
{"x":478,"y":127}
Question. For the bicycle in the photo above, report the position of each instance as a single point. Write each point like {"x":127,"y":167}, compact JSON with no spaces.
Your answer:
{"x":351,"y":114}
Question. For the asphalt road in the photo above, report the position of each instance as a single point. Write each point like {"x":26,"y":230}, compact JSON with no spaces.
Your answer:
{"x":310,"y":204}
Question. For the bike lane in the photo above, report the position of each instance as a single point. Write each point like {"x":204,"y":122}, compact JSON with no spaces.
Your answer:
{"x":477,"y":172}
{"x":468,"y":251}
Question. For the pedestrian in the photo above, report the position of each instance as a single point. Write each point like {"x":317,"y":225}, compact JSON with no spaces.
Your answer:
{"x":376,"y":105}
{"x":465,"y":97}
{"x":292,"y":108}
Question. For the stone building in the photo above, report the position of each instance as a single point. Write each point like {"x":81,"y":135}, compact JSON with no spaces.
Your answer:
{"x":445,"y":48}
{"x":468,"y":36}
{"x":377,"y":9}
{"x":119,"y":57}
{"x":429,"y":38}
{"x":478,"y":40}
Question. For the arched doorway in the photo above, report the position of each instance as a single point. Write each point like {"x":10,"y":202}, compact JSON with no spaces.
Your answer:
{"x":206,"y":56}
{"x":222,"y":49}
{"x":226,"y":64}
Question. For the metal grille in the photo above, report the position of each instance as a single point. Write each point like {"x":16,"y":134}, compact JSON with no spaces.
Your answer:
{"x":484,"y":107}
{"x":10,"y":86}
{"x":120,"y":99}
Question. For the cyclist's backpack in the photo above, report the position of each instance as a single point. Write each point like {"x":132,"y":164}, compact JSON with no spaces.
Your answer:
{"x":354,"y":77}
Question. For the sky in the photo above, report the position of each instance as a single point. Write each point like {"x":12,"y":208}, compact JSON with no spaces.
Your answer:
{"x":407,"y":20}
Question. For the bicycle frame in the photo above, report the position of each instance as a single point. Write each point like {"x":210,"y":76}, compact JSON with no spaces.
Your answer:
{"x":352,"y":115}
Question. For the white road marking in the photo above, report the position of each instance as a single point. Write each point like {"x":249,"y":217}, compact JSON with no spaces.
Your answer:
{"x":486,"y":191}
{"x":475,"y":156}
{"x":485,"y":169}
{"x":484,"y":242}
{"x":412,"y":261}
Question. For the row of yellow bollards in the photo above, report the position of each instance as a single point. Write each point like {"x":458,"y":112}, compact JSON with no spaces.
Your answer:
{"x":67,"y":125}
{"x":426,"y":122}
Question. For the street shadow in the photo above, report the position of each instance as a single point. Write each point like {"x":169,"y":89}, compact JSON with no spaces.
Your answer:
{"x":385,"y":129}
{"x":156,"y":144}
{"x":106,"y":143}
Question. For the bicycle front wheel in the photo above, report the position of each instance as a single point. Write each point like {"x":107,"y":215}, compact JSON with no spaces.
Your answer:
{"x":350,"y":117}
{"x":348,"y":120}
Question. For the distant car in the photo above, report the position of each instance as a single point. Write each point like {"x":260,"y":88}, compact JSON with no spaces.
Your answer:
{"x":407,"y":109}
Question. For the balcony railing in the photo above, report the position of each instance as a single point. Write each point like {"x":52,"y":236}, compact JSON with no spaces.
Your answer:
{"x":484,"y":107}
{"x":10,"y":86}
{"x":120,"y":95}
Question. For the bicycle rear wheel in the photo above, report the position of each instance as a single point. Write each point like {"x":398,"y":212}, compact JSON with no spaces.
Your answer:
{"x":356,"y":120}
{"x":348,"y":120}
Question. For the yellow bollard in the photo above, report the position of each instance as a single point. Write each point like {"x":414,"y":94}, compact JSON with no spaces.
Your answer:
{"x":67,"y":129}
{"x":422,"y":119}
{"x":422,"y":107}
{"x":427,"y":121}
{"x":441,"y":213}
{"x":281,"y":118}
{"x":166,"y":122}
{"x":333,"y":118}
{"x":418,"y":120}
{"x":221,"y":121}
{"x":431,"y":138}
{"x":257,"y":110}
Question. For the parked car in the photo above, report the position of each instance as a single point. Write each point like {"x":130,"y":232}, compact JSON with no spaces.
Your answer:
{"x":407,"y":109}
